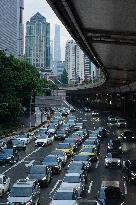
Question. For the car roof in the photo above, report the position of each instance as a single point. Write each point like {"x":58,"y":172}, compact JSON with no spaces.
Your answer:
{"x":72,"y":174}
{"x":24,"y":183}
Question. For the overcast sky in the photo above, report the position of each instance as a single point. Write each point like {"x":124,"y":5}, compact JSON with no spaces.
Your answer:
{"x":34,"y":6}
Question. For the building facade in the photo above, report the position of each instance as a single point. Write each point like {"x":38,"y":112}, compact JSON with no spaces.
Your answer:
{"x":78,"y":66}
{"x":57,"y":49}
{"x":74,"y":62}
{"x":11,"y":27}
{"x":37,"y":47}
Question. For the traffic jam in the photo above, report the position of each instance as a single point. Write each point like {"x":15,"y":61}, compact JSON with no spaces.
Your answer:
{"x":80,"y":157}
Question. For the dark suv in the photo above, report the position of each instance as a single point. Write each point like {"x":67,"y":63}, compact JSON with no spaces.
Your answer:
{"x":42,"y":173}
{"x":129,"y":171}
{"x":53,"y":162}
{"x":9,"y":156}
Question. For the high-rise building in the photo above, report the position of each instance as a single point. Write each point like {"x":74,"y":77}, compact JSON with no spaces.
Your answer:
{"x":11,"y":27}
{"x":57,"y":49}
{"x":37,"y":48}
{"x":51,"y":54}
{"x":74,"y":62}
{"x":87,"y":67}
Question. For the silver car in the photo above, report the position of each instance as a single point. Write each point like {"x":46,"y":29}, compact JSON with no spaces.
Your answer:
{"x":25,"y":192}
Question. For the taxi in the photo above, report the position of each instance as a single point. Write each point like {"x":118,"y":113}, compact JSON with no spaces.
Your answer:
{"x":67,"y":148}
{"x":91,"y":152}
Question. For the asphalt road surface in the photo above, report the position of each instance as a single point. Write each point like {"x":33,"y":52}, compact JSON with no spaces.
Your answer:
{"x":97,"y":174}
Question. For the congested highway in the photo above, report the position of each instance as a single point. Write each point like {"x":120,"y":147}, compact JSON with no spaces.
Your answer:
{"x":96,"y":175}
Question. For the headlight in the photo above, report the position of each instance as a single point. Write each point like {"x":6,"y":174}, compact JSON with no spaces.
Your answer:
{"x":8,"y":157}
{"x":119,"y":161}
{"x":133,"y":137}
{"x":120,"y":147}
{"x":44,"y":178}
{"x":133,"y":174}
{"x":106,"y":160}
{"x":56,"y":166}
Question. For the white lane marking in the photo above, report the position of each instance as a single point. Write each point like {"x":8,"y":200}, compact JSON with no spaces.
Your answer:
{"x":96,"y":166}
{"x":125,"y":187}
{"x":55,"y":186}
{"x":30,"y":163}
{"x":22,"y":160}
{"x":90,"y":186}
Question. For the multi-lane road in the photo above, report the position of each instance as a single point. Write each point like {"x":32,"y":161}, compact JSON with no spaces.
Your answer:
{"x":97,"y":174}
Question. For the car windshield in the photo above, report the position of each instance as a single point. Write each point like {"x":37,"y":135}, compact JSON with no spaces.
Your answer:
{"x":50,"y":159}
{"x":113,"y":155}
{"x":63,"y":146}
{"x":68,"y":140}
{"x":75,"y":166}
{"x":21,"y":136}
{"x":133,"y":166}
{"x":72,"y":179}
{"x":16,"y":142}
{"x":89,"y":142}
{"x":37,"y":170}
{"x":51,"y":126}
{"x":60,"y":132}
{"x":80,"y":158}
{"x":21,"y":192}
{"x":88,"y":150}
{"x":121,"y":120}
{"x":64,"y":196}
{"x":42,"y":136}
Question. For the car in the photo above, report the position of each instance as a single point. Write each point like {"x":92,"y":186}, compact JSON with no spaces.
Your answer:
{"x":61,"y":155}
{"x":113,"y":160}
{"x":84,"y":160}
{"x":4,"y":184}
{"x":128,"y":135}
{"x":65,"y":196}
{"x":66,"y":127}
{"x":77,"y":138}
{"x":71,"y":123}
{"x":121,"y":123}
{"x":25,"y":191}
{"x":109,"y":194}
{"x":66,"y":147}
{"x":86,"y":109}
{"x":74,"y":181}
{"x":16,"y":144}
{"x":89,"y":144}
{"x":91,"y":152}
{"x":53,"y":162}
{"x":129,"y":171}
{"x":72,"y":109}
{"x":95,"y":114}
{"x":60,"y":135}
{"x":75,"y":167}
{"x":78,"y":126}
{"x":115,"y":146}
{"x":23,"y":137}
{"x":51,"y":129}
{"x":43,"y":140}
{"x":72,"y":142}
{"x":41,"y":173}
{"x":9,"y":156}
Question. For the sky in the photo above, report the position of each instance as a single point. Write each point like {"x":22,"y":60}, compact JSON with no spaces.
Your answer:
{"x":31,"y":7}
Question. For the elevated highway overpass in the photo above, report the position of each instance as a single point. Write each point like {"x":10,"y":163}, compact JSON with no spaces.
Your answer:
{"x":106,"y":31}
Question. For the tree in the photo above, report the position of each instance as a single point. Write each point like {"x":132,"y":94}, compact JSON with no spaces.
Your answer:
{"x":18,"y":82}
{"x":64,"y":77}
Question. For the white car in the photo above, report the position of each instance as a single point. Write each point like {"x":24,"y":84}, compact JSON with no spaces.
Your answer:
{"x":4,"y":184}
{"x":24,"y":137}
{"x":43,"y":140}
{"x":65,"y":197}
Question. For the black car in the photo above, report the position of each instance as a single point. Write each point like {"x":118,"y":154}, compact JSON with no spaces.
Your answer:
{"x":53,"y":162}
{"x":42,"y":173}
{"x":115,"y":145}
{"x":129,"y":171}
{"x":60,"y":135}
{"x":72,"y":142}
{"x":16,"y":144}
{"x":110,"y":196}
{"x":9,"y":156}
{"x":66,"y":127}
{"x":128,"y":135}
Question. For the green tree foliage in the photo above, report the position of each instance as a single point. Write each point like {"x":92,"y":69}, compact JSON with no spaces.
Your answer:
{"x":64,"y":77}
{"x":18,"y":82}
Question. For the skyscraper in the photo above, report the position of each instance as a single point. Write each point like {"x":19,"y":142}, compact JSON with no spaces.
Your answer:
{"x":87,"y":67}
{"x":38,"y":42}
{"x":57,"y":50}
{"x":74,"y":62}
{"x":51,"y":54}
{"x":11,"y":27}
